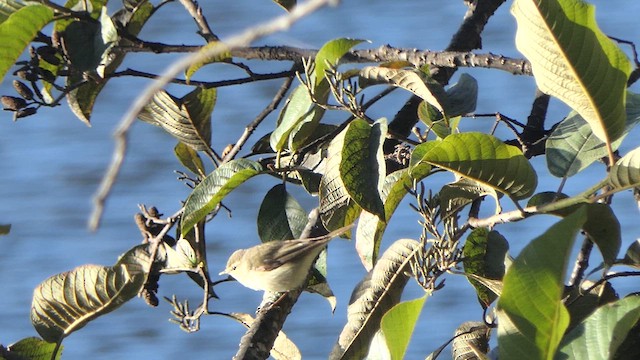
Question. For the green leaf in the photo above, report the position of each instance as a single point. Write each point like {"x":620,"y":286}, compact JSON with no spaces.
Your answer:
{"x":600,"y":335}
{"x":87,"y":43}
{"x":66,"y":302}
{"x":485,"y":159}
{"x":603,"y":229}
{"x":398,"y":323}
{"x":632,"y":255}
{"x":82,"y":99}
{"x":572,"y":146}
{"x":455,"y":196}
{"x":483,"y":255}
{"x":625,"y":173}
{"x":216,"y":47}
{"x":18,"y":30}
{"x":462,"y":96}
{"x":370,"y":227}
{"x":8,"y":7}
{"x":531,"y":316}
{"x":208,"y":194}
{"x":329,"y":55}
{"x":378,"y":292}
{"x":189,"y":158}
{"x":362,"y":166}
{"x":298,"y":108}
{"x":187,"y":119}
{"x":280,"y":216}
{"x":418,"y":169}
{"x":416,"y":82}
{"x":32,"y":348}
{"x":573,"y":60}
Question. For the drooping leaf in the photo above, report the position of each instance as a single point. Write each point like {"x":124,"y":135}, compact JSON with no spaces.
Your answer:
{"x":531,"y":316}
{"x":417,"y":168}
{"x":572,"y":146}
{"x":378,"y":292}
{"x":187,"y":119}
{"x":208,"y":194}
{"x":626,"y":171}
{"x":18,"y":30}
{"x":483,"y":255}
{"x":632,"y":255}
{"x":87,"y":43}
{"x":398,"y":323}
{"x":222,"y":54}
{"x":280,"y":216}
{"x":32,"y":348}
{"x":417,"y":83}
{"x":455,"y":196}
{"x":582,"y":301}
{"x":462,"y":96}
{"x":337,"y":208}
{"x":189,"y":158}
{"x":600,"y":335}
{"x":573,"y":60}
{"x":471,"y":340}
{"x":82,"y":99}
{"x":66,"y":302}
{"x":298,"y":108}
{"x":485,"y":159}
{"x":362,"y":166}
{"x":371,"y":227}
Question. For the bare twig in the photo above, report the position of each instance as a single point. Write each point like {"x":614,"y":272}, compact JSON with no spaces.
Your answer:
{"x":196,"y":13}
{"x":275,"y":102}
{"x":243,"y":39}
{"x":206,"y":84}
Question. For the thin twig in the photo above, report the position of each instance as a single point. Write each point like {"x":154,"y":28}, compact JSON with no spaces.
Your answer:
{"x":196,"y":13}
{"x":206,"y":84}
{"x":248,"y":131}
{"x":243,"y":39}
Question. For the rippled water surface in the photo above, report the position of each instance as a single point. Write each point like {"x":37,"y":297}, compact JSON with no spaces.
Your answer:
{"x":51,"y":164}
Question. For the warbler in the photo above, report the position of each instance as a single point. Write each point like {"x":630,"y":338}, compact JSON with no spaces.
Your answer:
{"x":277,"y":266}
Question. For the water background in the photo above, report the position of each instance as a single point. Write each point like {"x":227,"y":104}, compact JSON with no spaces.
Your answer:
{"x":51,"y":165}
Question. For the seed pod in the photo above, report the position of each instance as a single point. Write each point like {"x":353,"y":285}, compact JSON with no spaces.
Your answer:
{"x":47,"y":75}
{"x":48,"y":54}
{"x":25,"y":112}
{"x":13,"y":103}
{"x":23,"y":89}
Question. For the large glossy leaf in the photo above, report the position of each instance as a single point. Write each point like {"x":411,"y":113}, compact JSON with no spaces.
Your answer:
{"x":416,"y":82}
{"x":455,"y":196}
{"x":223,"y":54}
{"x":18,"y":30}
{"x":371,"y":227}
{"x":483,"y":255}
{"x":66,"y":302}
{"x":187,"y":119}
{"x":362,"y":166}
{"x":573,"y":60}
{"x":398,"y":323}
{"x":189,"y":158}
{"x":600,"y":335}
{"x":208,"y":194}
{"x":299,"y":108}
{"x":531,"y":316}
{"x":626,"y":171}
{"x":378,"y":292}
{"x":31,"y":348}
{"x":485,"y":159}
{"x":82,"y":99}
{"x":572,"y":146}
{"x":280,"y":216}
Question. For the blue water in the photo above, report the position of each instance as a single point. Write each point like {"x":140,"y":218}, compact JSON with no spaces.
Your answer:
{"x":51,"y":164}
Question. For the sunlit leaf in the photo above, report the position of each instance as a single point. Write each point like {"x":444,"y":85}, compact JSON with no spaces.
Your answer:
{"x":298,"y":108}
{"x":222,"y":54}
{"x":189,"y":158}
{"x":398,"y":323}
{"x":362,"y":166}
{"x":66,"y":302}
{"x":370,"y":227}
{"x":572,"y":146}
{"x":485,"y":159}
{"x":626,"y":171}
{"x":18,"y":30}
{"x":280,"y":216}
{"x":424,"y":87}
{"x":600,"y":335}
{"x":573,"y":60}
{"x":330,"y":54}
{"x":455,"y":196}
{"x":531,"y":316}
{"x":378,"y":292}
{"x":32,"y":348}
{"x":187,"y":119}
{"x":208,"y":194}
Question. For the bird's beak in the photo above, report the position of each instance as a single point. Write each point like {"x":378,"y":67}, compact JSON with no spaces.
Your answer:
{"x":223,"y":272}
